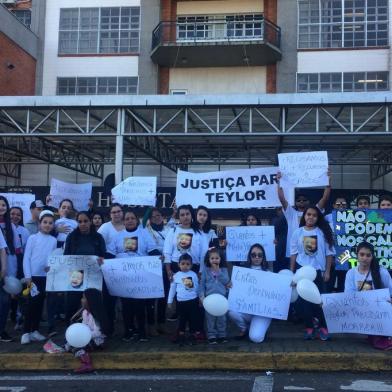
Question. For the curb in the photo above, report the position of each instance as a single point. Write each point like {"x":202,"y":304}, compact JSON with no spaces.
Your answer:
{"x":277,"y":361}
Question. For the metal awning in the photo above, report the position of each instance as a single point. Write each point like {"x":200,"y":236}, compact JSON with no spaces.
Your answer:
{"x":84,"y":133}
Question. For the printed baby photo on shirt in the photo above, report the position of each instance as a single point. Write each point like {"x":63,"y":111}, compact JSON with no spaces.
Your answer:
{"x":310,"y":245}
{"x":76,"y":279}
{"x":130,"y":244}
{"x":184,"y":241}
{"x":188,"y":282}
{"x":365,"y":285}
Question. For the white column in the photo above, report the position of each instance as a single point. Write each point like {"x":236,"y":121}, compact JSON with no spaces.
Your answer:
{"x":118,"y":172}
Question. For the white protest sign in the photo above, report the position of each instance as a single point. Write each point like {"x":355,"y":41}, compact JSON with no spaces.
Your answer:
{"x":73,"y":273}
{"x":139,"y":191}
{"x":241,"y":238}
{"x":364,"y":312}
{"x":22,"y":200}
{"x":134,"y":277}
{"x":260,"y":293}
{"x":78,"y":193}
{"x":245,"y":188}
{"x":304,"y":169}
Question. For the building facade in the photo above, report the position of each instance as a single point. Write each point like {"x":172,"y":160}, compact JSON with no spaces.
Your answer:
{"x":203,"y":47}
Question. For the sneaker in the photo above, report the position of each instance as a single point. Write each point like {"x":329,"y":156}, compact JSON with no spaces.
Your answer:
{"x":37,"y":337}
{"x":222,"y":340}
{"x":323,"y":334}
{"x":212,"y":341}
{"x":4,"y":337}
{"x":309,"y":334}
{"x":143,"y":339}
{"x":25,"y":339}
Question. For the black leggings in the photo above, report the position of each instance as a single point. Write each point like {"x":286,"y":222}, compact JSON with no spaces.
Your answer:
{"x":35,"y":306}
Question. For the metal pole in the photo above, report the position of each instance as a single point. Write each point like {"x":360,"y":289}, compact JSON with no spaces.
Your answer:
{"x":118,"y":172}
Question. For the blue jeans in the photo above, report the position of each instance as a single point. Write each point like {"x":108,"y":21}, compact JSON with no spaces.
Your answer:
{"x":4,"y":308}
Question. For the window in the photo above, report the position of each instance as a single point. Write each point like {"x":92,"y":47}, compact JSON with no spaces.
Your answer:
{"x":216,"y":27}
{"x":24,"y":16}
{"x":93,"y":86}
{"x":347,"y":82}
{"x":342,"y":23}
{"x":99,"y":30}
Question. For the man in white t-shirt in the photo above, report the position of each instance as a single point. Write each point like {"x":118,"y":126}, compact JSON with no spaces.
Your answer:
{"x":293,"y":214}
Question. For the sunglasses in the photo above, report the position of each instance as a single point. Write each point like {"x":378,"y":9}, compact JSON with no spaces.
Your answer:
{"x":256,"y":255}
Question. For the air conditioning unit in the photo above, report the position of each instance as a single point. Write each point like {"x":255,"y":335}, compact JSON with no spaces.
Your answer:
{"x":8,"y":1}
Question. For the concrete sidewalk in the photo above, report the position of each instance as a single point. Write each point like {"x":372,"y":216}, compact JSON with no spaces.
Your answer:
{"x":284,"y":349}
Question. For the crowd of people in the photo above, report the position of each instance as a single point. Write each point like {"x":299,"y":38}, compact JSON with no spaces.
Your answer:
{"x":193,"y":267}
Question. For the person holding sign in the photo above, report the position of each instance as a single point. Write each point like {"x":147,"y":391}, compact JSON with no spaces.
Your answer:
{"x":156,"y":232}
{"x":369,"y":275}
{"x":65,"y":225}
{"x":85,"y":241}
{"x":110,"y":229}
{"x":132,"y":242}
{"x":385,"y":202}
{"x":294,"y":214}
{"x":35,"y":266}
{"x":256,"y":260}
{"x":312,"y":244}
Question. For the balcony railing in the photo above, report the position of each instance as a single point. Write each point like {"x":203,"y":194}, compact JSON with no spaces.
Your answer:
{"x":201,"y":30}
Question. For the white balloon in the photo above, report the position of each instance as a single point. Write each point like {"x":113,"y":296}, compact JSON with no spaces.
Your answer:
{"x":308,"y":291}
{"x":12,"y":285}
{"x":305,"y":272}
{"x":258,"y":328}
{"x":78,"y":335}
{"x":216,"y":304}
{"x":286,"y":272}
{"x":294,"y":295}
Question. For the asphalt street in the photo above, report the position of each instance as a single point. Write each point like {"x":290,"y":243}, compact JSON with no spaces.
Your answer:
{"x":195,"y":382}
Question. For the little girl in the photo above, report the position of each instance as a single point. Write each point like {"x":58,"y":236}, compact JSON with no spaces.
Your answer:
{"x":185,"y":285}
{"x":312,"y":244}
{"x":35,"y":262}
{"x":368,"y":275}
{"x":94,"y":316}
{"x":256,"y":260}
{"x":214,"y":280}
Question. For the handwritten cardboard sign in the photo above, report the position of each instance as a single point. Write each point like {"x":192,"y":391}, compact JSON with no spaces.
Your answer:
{"x":78,"y":193}
{"x":241,"y":238}
{"x":365,"y":312}
{"x":245,"y":188}
{"x":260,"y":293}
{"x":134,"y":277}
{"x":73,"y":273}
{"x":304,"y":169}
{"x":22,"y":200}
{"x":139,"y":191}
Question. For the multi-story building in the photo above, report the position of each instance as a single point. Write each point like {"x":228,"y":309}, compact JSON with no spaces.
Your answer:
{"x":128,"y":47}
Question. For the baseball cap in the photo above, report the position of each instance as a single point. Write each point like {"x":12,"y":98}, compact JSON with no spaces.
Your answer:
{"x":37,"y":204}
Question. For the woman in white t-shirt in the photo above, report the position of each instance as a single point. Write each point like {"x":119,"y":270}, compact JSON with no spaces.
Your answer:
{"x":368,"y":275}
{"x":312,"y":244}
{"x":184,"y":238}
{"x":116,"y":224}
